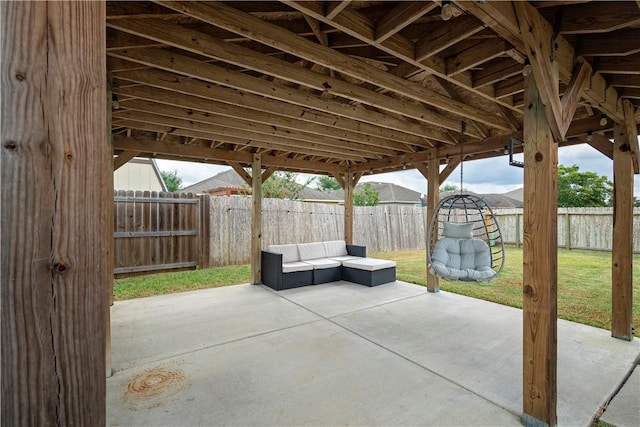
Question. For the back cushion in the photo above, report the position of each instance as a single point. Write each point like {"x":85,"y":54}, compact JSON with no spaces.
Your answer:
{"x":289,"y":252}
{"x":311,"y":251}
{"x":335,"y":248}
{"x":458,"y":231}
{"x":447,"y":251}
{"x":475,"y":254}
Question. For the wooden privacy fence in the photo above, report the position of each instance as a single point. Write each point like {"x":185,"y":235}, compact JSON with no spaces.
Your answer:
{"x":578,"y":228}
{"x":155,"y":231}
{"x":227,"y":222}
{"x":166,"y":231}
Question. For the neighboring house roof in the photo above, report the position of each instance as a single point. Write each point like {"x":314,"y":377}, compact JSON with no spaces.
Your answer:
{"x":517,"y":194}
{"x":226,"y":179}
{"x":139,"y":174}
{"x":493,"y":200}
{"x":388,"y":193}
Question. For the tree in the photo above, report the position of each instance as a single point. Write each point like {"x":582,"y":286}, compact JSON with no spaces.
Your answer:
{"x":583,"y":189}
{"x":327,"y":183}
{"x":283,"y":185}
{"x":448,"y":187}
{"x":366,"y":196}
{"x":172,"y":180}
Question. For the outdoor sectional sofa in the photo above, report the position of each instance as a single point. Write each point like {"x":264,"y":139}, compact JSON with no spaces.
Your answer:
{"x":295,"y":265}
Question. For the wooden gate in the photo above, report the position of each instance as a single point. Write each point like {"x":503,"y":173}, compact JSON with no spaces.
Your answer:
{"x":155,"y":232}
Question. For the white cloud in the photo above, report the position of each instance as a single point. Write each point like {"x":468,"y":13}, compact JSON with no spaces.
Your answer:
{"x":191,"y":172}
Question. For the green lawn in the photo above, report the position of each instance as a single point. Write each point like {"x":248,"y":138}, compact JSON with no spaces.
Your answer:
{"x":584,"y":283}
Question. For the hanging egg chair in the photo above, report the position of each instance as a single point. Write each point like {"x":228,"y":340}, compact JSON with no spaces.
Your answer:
{"x":464,"y":241}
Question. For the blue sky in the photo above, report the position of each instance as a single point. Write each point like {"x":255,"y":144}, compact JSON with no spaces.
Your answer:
{"x":480,"y":176}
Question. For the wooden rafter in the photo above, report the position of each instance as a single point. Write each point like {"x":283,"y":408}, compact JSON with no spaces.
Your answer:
{"x":359,"y":26}
{"x":147,"y":145}
{"x":632,"y":134}
{"x":199,"y":110}
{"x":231,"y":19}
{"x":317,"y":81}
{"x":401,"y":16}
{"x":123,"y":158}
{"x":501,"y":17}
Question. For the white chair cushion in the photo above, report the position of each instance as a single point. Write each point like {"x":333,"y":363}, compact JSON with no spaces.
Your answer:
{"x":289,"y":252}
{"x":292,"y":267}
{"x":320,"y":263}
{"x":458,"y":231}
{"x":447,"y":252}
{"x":369,"y":264}
{"x":335,"y":248}
{"x":462,"y":259}
{"x":344,"y":258}
{"x":309,"y":251}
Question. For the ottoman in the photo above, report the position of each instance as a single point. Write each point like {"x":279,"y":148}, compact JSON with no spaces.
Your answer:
{"x":369,"y":271}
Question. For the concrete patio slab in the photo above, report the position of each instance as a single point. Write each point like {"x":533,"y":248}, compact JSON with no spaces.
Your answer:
{"x":342,"y":354}
{"x":154,"y":328}
{"x":624,"y":409}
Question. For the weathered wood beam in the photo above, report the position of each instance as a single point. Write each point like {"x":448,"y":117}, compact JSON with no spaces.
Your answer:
{"x":243,"y":173}
{"x":501,"y":17}
{"x":213,"y":105}
{"x":615,"y":16}
{"x":203,"y":44}
{"x":450,"y":90}
{"x":151,"y":146}
{"x":600,"y":143}
{"x":361,"y":27}
{"x":350,"y":181}
{"x":55,"y":224}
{"x":123,"y":158}
{"x":571,"y":98}
{"x":401,"y":16}
{"x":446,"y":35}
{"x":256,"y":219}
{"x":538,"y":41}
{"x":190,"y":119}
{"x":448,"y":170}
{"x":620,"y":65}
{"x":272,"y":97}
{"x":267,"y":173}
{"x":496,"y":71}
{"x":433,"y":198}
{"x":315,"y":27}
{"x":258,"y":136}
{"x":239,"y":22}
{"x":632,"y":133}
{"x":478,"y":54}
{"x":622,"y":244}
{"x":540,"y":260}
{"x":627,"y":42}
{"x":334,"y":8}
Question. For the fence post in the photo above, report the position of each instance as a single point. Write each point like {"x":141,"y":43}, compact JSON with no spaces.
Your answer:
{"x":567,"y":230}
{"x":204,"y":230}
{"x":518,"y":241}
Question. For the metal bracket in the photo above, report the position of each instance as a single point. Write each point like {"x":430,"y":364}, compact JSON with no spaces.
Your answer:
{"x":514,"y":143}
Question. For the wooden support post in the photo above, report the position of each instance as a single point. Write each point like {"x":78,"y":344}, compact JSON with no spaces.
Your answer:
{"x":433,"y":197}
{"x":256,"y":220}
{"x":108,"y":195}
{"x":350,"y":182}
{"x":540,"y":255}
{"x":622,"y":249}
{"x":55,"y":226}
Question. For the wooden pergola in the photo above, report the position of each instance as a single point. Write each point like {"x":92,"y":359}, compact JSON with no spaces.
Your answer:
{"x":343,"y":88}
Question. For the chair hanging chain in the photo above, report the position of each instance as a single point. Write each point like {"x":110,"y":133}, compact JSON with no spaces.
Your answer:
{"x":463,"y":129}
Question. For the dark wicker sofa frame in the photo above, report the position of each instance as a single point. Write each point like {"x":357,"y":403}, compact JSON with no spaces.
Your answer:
{"x":273,"y":276}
